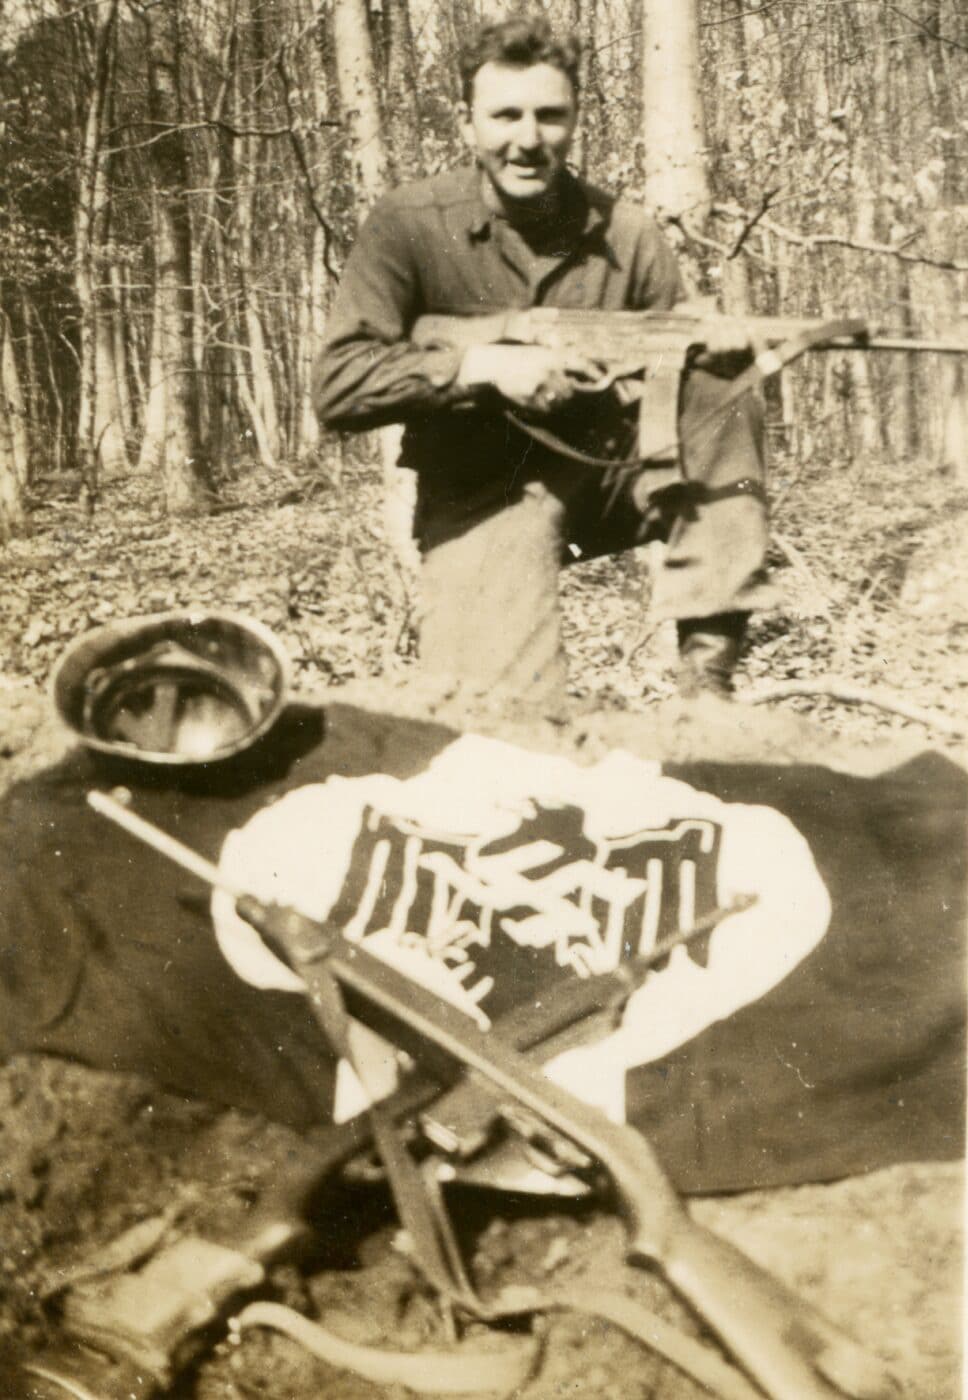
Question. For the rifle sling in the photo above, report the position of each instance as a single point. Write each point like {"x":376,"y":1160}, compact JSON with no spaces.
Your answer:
{"x":418,"y":1201}
{"x":767,"y":363}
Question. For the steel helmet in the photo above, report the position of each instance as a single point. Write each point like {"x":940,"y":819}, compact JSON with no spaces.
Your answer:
{"x":172,"y":688}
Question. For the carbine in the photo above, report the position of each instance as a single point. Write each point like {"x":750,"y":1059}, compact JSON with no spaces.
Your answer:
{"x":789,"y":1348}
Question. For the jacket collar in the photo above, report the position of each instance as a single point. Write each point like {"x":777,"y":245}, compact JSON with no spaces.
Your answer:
{"x":579,"y":204}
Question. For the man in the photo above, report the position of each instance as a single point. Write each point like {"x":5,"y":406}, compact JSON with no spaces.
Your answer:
{"x":495,"y":511}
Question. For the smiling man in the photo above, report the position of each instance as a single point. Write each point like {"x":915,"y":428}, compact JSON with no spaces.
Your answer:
{"x":497,"y":513}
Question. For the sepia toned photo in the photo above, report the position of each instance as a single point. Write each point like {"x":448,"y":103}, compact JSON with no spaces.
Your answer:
{"x":483,"y":658}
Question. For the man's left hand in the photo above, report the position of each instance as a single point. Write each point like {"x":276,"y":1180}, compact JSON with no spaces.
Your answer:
{"x":726,"y":343}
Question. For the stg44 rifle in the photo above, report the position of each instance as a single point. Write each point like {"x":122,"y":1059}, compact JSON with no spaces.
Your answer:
{"x":651,"y":349}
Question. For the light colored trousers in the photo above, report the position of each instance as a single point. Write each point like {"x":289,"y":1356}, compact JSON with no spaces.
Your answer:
{"x":490,"y":615}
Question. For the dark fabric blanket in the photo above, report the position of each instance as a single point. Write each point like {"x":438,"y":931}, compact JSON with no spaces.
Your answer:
{"x":848,"y":1059}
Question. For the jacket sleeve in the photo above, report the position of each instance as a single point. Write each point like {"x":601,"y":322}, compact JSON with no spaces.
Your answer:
{"x":656,"y":283}
{"x":368,"y":374}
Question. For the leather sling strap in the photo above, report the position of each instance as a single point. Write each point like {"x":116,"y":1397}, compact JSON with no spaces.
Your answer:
{"x":767,"y":363}
{"x":435,"y":1249}
{"x":459,"y":1371}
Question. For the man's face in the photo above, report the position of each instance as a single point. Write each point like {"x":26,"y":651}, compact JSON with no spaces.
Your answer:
{"x":519,"y":125}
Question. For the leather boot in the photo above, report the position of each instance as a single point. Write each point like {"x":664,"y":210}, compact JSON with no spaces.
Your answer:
{"x":709,"y":649}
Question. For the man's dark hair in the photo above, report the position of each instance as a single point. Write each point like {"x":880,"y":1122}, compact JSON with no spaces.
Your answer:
{"x":520,"y":41}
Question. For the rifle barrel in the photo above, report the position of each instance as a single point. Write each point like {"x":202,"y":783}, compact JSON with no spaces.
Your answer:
{"x":113,"y":807}
{"x":888,"y":342}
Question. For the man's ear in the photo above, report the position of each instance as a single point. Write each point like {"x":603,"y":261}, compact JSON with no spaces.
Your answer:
{"x":466,"y":126}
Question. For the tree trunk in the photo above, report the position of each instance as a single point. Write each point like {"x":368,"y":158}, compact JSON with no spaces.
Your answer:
{"x":402,"y":90}
{"x":99,"y":432}
{"x":13,"y":397}
{"x":56,"y":453}
{"x":356,"y":75}
{"x":120,"y":352}
{"x":109,"y":432}
{"x":583,"y":21}
{"x":361,"y":113}
{"x":673,"y":126}
{"x":312,"y":328}
{"x":13,"y":466}
{"x":152,"y":455}
{"x":954,"y":439}
{"x":262,"y":391}
{"x":186,"y":475}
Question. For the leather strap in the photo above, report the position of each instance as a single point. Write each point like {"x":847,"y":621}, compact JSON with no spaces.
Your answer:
{"x":466,"y":1369}
{"x":419,"y":1205}
{"x":460,"y":1371}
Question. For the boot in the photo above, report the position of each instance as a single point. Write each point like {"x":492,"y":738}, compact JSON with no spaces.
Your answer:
{"x":709,"y":649}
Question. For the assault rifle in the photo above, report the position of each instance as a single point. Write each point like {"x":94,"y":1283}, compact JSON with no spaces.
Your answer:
{"x":656,"y":346}
{"x":790,"y":1350}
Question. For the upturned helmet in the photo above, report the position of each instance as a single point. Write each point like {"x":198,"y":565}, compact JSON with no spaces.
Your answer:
{"x":172,"y":688}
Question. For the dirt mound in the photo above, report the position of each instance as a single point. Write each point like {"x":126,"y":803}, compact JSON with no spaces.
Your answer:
{"x":672,"y":730}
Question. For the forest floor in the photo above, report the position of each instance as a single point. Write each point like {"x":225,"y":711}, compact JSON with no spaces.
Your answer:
{"x":878,"y":596}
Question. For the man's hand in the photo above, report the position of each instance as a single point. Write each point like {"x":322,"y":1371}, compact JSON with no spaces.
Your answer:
{"x":532,"y":376}
{"x":727,"y":343}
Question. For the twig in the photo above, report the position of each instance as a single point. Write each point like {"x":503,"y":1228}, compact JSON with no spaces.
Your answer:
{"x":298,"y":150}
{"x":931,"y":32}
{"x":678,"y":221}
{"x":752,"y":221}
{"x":859,"y":245}
{"x":791,"y":481}
{"x":800,"y":566}
{"x":849,"y":694}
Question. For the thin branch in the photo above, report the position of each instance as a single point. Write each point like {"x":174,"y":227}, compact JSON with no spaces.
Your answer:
{"x":800,"y":566}
{"x":678,"y":221}
{"x":924,"y":28}
{"x":813,"y":240}
{"x":299,"y":152}
{"x":742,"y":14}
{"x":210,"y":124}
{"x":850,"y":694}
{"x":752,"y":221}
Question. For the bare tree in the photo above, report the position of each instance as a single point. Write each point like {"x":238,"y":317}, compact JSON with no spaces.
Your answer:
{"x":402,"y":89}
{"x":100,"y":432}
{"x":185,"y":472}
{"x":13,"y":444}
{"x":673,"y":126}
{"x":359,"y":98}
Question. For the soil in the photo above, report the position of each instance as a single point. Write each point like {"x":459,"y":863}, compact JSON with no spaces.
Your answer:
{"x":877,"y":596}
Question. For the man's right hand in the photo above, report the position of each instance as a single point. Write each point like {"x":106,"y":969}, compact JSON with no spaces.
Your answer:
{"x":531,"y":376}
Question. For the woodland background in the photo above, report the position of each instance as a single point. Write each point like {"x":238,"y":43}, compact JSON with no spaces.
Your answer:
{"x":181,"y":180}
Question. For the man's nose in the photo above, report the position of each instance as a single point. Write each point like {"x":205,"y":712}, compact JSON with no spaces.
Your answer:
{"x":527,"y":132}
